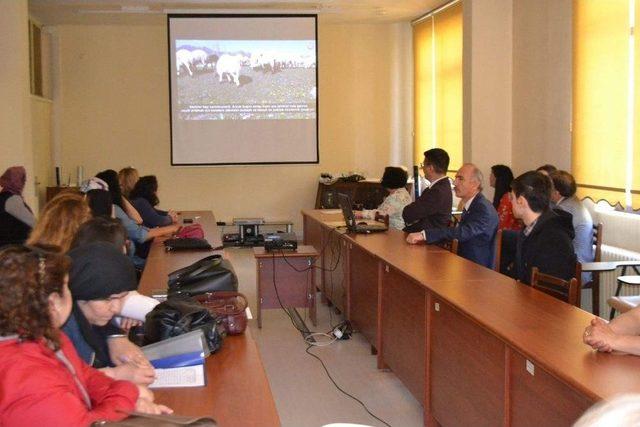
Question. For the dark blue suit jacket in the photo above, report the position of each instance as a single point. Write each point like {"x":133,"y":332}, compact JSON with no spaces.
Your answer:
{"x":475,"y":232}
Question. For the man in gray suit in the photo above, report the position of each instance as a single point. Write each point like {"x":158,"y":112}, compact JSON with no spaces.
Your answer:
{"x":564,"y":196}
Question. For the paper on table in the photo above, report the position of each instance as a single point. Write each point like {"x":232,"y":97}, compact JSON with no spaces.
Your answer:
{"x":249,"y":315}
{"x":331,"y":211}
{"x":188,"y":376}
{"x":137,"y":306}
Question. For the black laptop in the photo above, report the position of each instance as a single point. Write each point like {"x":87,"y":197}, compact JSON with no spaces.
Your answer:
{"x":350,"y":219}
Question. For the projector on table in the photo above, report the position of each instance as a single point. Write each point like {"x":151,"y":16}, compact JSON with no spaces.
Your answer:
{"x":280,"y":242}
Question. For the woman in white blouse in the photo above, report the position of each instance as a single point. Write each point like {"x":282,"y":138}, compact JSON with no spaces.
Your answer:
{"x":395,"y":181}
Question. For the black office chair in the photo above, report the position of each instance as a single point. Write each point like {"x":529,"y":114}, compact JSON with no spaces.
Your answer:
{"x":624,"y":280}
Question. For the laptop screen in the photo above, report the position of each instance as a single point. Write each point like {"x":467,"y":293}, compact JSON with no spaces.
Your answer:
{"x":345,"y":204}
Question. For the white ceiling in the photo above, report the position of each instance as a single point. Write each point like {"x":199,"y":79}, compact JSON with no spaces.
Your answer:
{"x":53,"y":12}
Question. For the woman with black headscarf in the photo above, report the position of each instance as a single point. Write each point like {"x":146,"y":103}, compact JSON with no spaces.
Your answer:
{"x":101,"y":276}
{"x":500,"y":178}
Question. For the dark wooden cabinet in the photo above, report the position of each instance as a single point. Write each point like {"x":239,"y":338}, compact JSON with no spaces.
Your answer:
{"x":54,"y":191}
{"x":366,"y":193}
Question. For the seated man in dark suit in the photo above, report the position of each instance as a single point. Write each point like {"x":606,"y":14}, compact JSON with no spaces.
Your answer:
{"x":433,"y":208}
{"x":477,"y":227}
{"x":546,"y":241}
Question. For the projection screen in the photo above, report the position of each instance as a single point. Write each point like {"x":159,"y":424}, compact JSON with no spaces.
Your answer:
{"x":243,"y":89}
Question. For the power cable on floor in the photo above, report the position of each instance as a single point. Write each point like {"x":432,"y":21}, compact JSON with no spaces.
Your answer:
{"x":344,"y":392}
{"x":307,"y":335}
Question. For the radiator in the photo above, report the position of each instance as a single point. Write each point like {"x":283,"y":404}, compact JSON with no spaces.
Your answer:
{"x":608,"y":282}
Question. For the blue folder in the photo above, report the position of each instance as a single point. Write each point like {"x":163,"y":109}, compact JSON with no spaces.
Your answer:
{"x":179,"y":360}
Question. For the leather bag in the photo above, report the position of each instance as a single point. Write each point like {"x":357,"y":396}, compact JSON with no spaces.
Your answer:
{"x":194,"y":231}
{"x":229,"y":306}
{"x":209,"y":274}
{"x":137,"y":419}
{"x":177,"y":316}
{"x":186,"y":244}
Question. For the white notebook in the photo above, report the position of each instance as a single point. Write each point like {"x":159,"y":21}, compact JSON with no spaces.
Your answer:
{"x":188,"y":376}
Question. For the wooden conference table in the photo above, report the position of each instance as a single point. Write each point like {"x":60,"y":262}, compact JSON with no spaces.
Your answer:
{"x":237,"y":391}
{"x":472,"y":345}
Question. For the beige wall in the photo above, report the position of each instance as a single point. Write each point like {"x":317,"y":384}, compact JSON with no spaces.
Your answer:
{"x":517,"y":83}
{"x":113,"y":112}
{"x":15,"y":104}
{"x":487,"y":83}
{"x":541,"y":83}
{"x":42,"y":172}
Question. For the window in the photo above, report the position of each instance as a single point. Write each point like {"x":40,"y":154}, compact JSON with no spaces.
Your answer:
{"x":606,"y":95}
{"x":437,"y":53}
{"x":35,"y":58}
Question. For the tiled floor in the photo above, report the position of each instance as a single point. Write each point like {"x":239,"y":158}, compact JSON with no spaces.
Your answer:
{"x":303,"y":393}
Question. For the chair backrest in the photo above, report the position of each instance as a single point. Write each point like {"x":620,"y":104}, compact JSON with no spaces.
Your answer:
{"x":597,"y":242}
{"x":382,"y":218}
{"x":578,"y":275}
{"x":497,"y":250}
{"x":454,"y":220}
{"x":565,"y":290}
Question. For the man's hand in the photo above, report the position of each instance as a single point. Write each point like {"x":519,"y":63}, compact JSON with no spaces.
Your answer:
{"x":414,"y":238}
{"x":600,"y":336}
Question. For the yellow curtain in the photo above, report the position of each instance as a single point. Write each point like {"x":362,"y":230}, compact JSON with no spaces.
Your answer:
{"x":438,"y":84}
{"x":423,"y":84}
{"x":600,"y":97}
{"x":636,"y":142}
{"x":448,"y":33}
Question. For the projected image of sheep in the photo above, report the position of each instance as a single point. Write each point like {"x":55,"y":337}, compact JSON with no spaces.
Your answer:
{"x":246,"y":79}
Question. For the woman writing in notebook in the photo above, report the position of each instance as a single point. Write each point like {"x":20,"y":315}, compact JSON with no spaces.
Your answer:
{"x":100,"y":280}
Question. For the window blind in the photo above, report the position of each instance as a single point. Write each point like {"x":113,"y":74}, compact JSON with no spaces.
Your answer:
{"x":437,"y":51}
{"x":605,"y":131}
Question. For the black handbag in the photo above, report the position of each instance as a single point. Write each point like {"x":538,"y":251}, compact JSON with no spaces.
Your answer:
{"x":177,"y":316}
{"x":209,"y":274}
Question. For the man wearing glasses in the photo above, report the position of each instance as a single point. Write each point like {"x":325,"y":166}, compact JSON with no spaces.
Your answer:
{"x":433,"y":208}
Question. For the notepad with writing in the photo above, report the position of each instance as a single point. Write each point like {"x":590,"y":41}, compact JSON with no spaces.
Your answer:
{"x":187,"y":376}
